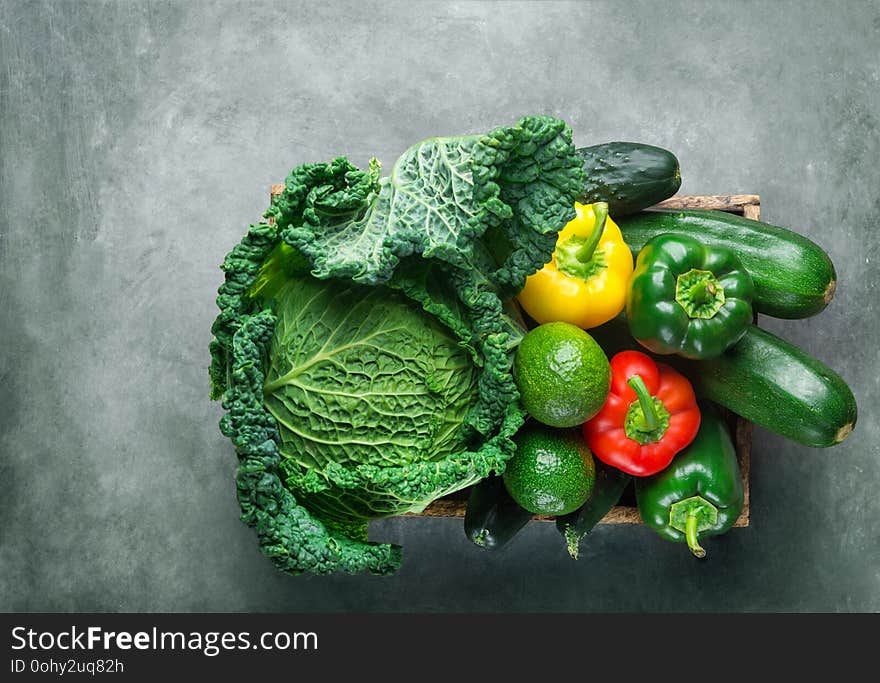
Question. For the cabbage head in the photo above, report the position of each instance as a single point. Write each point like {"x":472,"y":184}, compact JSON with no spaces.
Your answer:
{"x":363,"y":346}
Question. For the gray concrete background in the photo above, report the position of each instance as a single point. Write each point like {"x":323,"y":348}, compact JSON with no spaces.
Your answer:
{"x":138,"y":140}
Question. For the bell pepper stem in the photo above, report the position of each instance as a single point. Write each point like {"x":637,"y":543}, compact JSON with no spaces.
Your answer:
{"x":585,"y":253}
{"x":699,"y":293}
{"x":646,"y":402}
{"x":692,"y":515}
{"x":703,"y":292}
{"x":690,"y":532}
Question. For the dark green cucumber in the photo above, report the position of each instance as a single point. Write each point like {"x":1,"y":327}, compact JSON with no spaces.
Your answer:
{"x":778,"y":386}
{"x":794,"y":277}
{"x":629,"y":176}
{"x":766,"y":380}
{"x":493,"y":518}
{"x":607,"y":489}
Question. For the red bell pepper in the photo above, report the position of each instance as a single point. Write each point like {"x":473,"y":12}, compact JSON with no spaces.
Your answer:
{"x":650,"y":415}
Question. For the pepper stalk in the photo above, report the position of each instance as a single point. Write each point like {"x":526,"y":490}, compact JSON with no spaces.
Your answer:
{"x":647,"y":418}
{"x":585,"y":253}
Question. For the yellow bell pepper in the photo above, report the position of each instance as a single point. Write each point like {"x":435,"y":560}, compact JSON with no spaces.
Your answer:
{"x":586,"y":279}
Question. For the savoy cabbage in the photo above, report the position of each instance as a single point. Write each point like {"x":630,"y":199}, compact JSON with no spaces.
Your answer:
{"x":363,"y":351}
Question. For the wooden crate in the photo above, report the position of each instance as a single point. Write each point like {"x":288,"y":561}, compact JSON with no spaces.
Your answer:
{"x":748,"y":205}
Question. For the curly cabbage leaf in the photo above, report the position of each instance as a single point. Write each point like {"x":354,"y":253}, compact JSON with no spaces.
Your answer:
{"x":360,"y":381}
{"x":362,"y":349}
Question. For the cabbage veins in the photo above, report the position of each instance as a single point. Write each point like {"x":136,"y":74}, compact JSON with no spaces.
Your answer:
{"x":362,"y":350}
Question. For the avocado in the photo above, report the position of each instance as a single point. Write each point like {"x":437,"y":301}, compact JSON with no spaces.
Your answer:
{"x":562,"y":373}
{"x":552,"y":471}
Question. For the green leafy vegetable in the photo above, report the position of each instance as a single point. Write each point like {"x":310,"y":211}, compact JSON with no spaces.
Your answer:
{"x":362,"y":350}
{"x":361,"y":383}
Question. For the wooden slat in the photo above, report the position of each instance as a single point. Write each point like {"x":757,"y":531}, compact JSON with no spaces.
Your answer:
{"x":717,"y":202}
{"x":454,"y":507}
{"x":752,"y":211}
{"x":743,"y":440}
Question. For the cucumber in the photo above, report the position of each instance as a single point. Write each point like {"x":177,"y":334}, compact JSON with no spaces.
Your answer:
{"x":607,"y":489}
{"x":778,"y":386}
{"x":629,"y":176}
{"x":493,"y":518}
{"x":794,"y":277}
{"x":766,"y":380}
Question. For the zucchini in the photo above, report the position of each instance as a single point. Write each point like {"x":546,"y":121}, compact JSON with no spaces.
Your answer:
{"x":778,"y":386}
{"x":629,"y":176}
{"x":766,"y":380}
{"x":607,"y":489}
{"x":493,"y":518}
{"x":794,"y":277}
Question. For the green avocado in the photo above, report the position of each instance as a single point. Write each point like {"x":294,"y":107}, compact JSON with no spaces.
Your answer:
{"x":552,"y":471}
{"x":562,"y":374}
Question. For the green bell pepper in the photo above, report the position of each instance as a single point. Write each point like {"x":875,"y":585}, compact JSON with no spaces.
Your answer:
{"x":701,"y":493}
{"x":687,"y":298}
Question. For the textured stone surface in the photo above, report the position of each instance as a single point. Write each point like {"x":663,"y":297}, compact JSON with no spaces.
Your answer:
{"x":138,"y":140}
